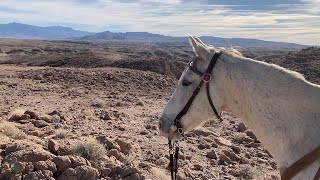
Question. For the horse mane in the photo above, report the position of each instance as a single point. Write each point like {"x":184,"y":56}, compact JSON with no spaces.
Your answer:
{"x":235,"y":53}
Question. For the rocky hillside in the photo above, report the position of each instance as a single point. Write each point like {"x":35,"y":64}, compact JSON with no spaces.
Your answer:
{"x":72,"y":110}
{"x":306,"y":61}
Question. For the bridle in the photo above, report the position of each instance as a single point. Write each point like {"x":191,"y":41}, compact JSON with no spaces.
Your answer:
{"x":289,"y":172}
{"x":177,"y":127}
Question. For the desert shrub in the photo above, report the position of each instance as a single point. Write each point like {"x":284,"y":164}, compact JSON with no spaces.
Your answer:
{"x":245,"y":172}
{"x":61,"y":134}
{"x":90,"y":149}
{"x":9,"y":129}
{"x":98,"y":103}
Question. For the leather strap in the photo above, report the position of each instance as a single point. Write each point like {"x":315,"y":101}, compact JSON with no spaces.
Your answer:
{"x":301,"y":164}
{"x":197,"y":90}
{"x":211,"y":103}
{"x":317,"y":176}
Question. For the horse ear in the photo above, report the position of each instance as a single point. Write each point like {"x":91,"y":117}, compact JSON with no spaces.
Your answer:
{"x":199,"y":48}
{"x":201,"y":42}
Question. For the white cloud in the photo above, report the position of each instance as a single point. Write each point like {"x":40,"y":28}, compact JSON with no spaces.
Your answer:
{"x":171,"y":17}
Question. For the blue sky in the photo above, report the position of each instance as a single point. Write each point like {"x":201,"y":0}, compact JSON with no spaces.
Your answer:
{"x":280,"y":20}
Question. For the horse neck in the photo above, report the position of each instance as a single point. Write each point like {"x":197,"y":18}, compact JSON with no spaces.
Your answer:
{"x":272,"y":103}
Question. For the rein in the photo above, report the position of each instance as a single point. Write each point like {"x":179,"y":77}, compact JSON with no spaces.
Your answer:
{"x":177,"y":127}
{"x":301,"y":164}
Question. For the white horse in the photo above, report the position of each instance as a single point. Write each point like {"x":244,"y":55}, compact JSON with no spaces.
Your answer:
{"x":278,"y":105}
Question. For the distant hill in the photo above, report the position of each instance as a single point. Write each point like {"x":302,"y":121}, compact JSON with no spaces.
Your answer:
{"x":25,"y":31}
{"x":217,"y":41}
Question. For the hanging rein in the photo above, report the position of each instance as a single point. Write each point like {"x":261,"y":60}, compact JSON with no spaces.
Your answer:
{"x":177,"y":127}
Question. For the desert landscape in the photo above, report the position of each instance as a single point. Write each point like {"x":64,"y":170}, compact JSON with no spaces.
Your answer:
{"x":81,"y":110}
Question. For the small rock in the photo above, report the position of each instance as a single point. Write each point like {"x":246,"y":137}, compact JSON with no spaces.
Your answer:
{"x":236,"y":149}
{"x":62,"y":163}
{"x":116,"y":154}
{"x":54,"y":119}
{"x":53,"y":146}
{"x":16,"y":114}
{"x":204,"y":146}
{"x":68,"y":174}
{"x":87,"y":173}
{"x":125,"y":147}
{"x":128,"y":171}
{"x":45,"y":165}
{"x":198,"y":167}
{"x":28,"y":167}
{"x":108,"y":142}
{"x":106,"y":116}
{"x":241,"y":127}
{"x":122,"y":128}
{"x":45,"y":117}
{"x":212,"y":154}
{"x":231,"y":155}
{"x":222,"y":141}
{"x":251,"y":135}
{"x":32,"y":114}
{"x":144,"y":165}
{"x":140,"y":103}
{"x":55,"y":112}
{"x":143,"y":132}
{"x":105,"y":172}
{"x":64,"y":149}
{"x":41,"y":174}
{"x":135,"y":176}
{"x":224,"y":158}
{"x":253,"y":145}
{"x":24,"y":121}
{"x":78,"y":161}
{"x":25,"y":117}
{"x":40,"y":123}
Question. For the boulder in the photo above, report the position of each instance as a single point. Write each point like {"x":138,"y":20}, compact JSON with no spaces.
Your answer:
{"x":231,"y":155}
{"x":32,"y":114}
{"x":108,"y":142}
{"x":224,"y":158}
{"x":125,"y":147}
{"x":62,"y":163}
{"x":78,"y":161}
{"x":80,"y":173}
{"x":45,"y":165}
{"x":30,"y":155}
{"x":241,"y":127}
{"x":212,"y":154}
{"x":53,"y":146}
{"x":39,"y":175}
{"x":39,"y":123}
{"x":16,"y":114}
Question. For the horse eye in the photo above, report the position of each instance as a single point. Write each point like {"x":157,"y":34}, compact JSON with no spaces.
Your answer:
{"x":186,"y":83}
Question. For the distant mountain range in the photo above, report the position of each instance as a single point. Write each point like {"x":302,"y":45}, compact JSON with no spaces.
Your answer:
{"x":25,"y":31}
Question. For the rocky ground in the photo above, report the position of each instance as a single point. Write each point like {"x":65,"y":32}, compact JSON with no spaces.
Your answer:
{"x":100,"y":122}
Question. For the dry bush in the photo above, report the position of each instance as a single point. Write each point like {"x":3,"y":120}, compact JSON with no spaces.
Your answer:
{"x":244,"y":172}
{"x":98,"y":103}
{"x":9,"y":129}
{"x":61,"y":134}
{"x":90,"y":149}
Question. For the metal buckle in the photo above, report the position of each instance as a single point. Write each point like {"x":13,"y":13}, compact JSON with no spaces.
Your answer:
{"x":206,"y":77}
{"x":180,"y":131}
